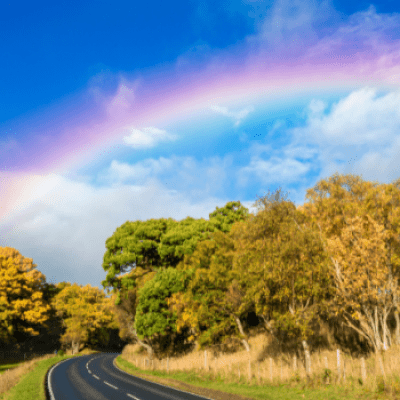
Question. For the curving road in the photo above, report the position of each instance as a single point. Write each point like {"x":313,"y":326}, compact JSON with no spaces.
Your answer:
{"x":95,"y":377}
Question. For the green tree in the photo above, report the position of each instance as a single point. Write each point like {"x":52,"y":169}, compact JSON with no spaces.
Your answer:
{"x":223,"y":218}
{"x":137,"y":250}
{"x":149,"y":245}
{"x":211,"y":305}
{"x":182,"y":239}
{"x":134,"y":245}
{"x":153,"y":317}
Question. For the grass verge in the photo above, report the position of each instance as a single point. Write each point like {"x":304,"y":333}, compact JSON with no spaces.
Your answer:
{"x":27,"y":380}
{"x":216,"y":388}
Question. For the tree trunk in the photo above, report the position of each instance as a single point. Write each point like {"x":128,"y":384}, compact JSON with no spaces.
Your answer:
{"x":378,"y":339}
{"x":148,"y":348}
{"x":307,"y":356}
{"x":240,"y":327}
{"x":75,"y":347}
{"x":396,"y":316}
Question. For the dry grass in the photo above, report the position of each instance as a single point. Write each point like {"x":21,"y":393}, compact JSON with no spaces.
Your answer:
{"x":12,"y":376}
{"x":235,"y":367}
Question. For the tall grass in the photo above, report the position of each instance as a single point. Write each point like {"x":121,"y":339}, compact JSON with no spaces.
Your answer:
{"x":10,"y":378}
{"x":382,"y":372}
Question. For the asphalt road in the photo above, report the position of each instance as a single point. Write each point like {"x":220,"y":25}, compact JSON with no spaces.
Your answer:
{"x":95,"y":377}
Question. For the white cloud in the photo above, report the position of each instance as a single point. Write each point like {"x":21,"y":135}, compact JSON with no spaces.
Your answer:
{"x":364,"y":31}
{"x":237,"y":116}
{"x":273,"y":170}
{"x":120,"y":172}
{"x":290,"y":26}
{"x":360,"y":118}
{"x":359,"y":134}
{"x":147,"y":137}
{"x":185,"y":174}
{"x":65,"y":227}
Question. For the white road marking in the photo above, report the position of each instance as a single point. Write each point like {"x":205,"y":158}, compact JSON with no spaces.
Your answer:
{"x":109,"y":384}
{"x":96,"y":376}
{"x":133,"y":397}
{"x":169,"y":396}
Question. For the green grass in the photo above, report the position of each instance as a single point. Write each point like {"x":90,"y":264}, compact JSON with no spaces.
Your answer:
{"x":31,"y":385}
{"x":266,"y":392}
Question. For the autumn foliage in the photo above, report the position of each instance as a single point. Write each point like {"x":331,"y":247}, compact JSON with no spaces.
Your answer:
{"x":335,"y":260}
{"x":22,"y":306}
{"x":283,"y":271}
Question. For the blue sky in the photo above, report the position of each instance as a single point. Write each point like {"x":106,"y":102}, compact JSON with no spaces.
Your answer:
{"x":116,"y":111}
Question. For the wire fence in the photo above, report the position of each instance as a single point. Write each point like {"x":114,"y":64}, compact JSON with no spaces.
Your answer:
{"x":15,"y":355}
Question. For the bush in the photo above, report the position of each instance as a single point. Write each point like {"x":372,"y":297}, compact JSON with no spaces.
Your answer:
{"x":60,"y":353}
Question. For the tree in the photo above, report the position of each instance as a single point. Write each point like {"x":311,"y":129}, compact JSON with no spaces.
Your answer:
{"x":359,"y":227}
{"x":142,"y":248}
{"x":134,"y":245}
{"x":84,"y":310}
{"x":182,"y":239}
{"x":223,"y":218}
{"x":161,"y":243}
{"x":153,"y":318}
{"x":22,"y":306}
{"x":282,"y":267}
{"x":211,"y":304}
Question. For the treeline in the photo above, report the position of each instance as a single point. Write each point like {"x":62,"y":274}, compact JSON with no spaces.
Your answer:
{"x":38,"y":316}
{"x":287,"y":271}
{"x":178,"y":284}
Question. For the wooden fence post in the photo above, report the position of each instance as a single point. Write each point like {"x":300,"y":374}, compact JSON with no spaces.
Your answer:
{"x":326,"y":367}
{"x":344,"y":369}
{"x":308,"y":362}
{"x":270,"y":368}
{"x":338,"y":363}
{"x":363,"y":371}
{"x":381,"y":366}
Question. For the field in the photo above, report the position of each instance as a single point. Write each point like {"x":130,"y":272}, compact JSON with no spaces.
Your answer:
{"x":277,"y":378}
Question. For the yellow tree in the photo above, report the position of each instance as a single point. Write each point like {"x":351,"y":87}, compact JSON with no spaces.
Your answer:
{"x":283,"y":267}
{"x":358,"y":223}
{"x":85,"y":312}
{"x":22,"y":306}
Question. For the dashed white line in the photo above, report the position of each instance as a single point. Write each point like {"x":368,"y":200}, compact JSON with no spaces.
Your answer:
{"x":109,"y":384}
{"x":133,"y":397}
{"x":96,"y":376}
